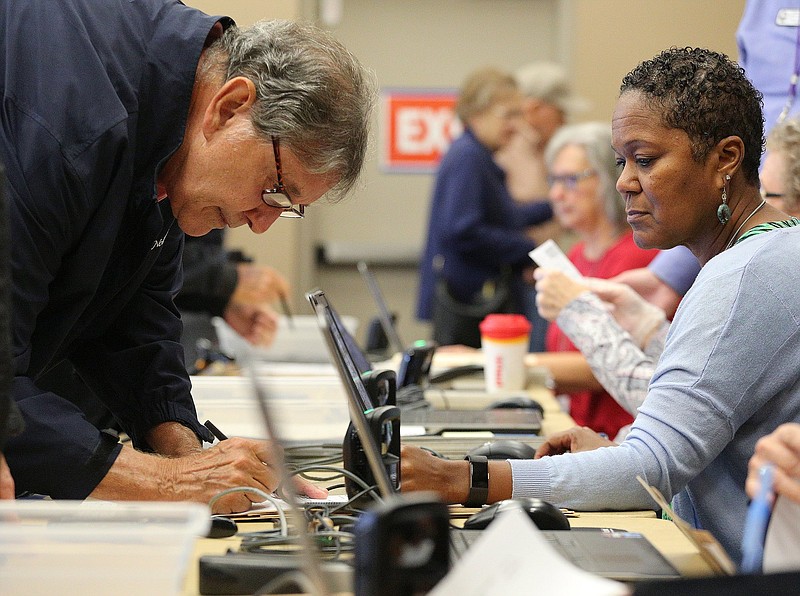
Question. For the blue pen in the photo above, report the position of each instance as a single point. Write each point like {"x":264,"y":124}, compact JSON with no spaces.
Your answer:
{"x":755,"y":525}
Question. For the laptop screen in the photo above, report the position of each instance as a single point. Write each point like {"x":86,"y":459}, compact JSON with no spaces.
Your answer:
{"x":349,"y":343}
{"x":383,"y":311}
{"x":357,"y":394}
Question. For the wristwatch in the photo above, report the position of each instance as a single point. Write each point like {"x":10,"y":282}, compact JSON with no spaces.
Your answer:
{"x":478,"y":481}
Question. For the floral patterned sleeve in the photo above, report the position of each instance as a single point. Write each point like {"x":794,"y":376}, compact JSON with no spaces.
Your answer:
{"x":620,"y":366}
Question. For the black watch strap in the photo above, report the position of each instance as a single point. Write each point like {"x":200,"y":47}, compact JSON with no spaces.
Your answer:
{"x":478,"y":481}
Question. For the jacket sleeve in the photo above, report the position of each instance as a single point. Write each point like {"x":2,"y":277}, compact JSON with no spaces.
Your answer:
{"x":59,"y":453}
{"x":10,"y":420}
{"x":486,"y":227}
{"x":137,"y":365}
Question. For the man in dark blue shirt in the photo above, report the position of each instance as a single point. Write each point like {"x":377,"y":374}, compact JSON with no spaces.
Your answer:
{"x":124,"y":125}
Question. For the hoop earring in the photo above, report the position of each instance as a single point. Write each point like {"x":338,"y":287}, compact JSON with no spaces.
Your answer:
{"x":723,"y":211}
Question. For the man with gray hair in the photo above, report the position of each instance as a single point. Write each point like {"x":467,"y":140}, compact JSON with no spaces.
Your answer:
{"x":124,"y":125}
{"x":548,"y":103}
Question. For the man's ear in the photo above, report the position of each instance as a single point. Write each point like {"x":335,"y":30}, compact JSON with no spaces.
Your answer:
{"x":235,"y":97}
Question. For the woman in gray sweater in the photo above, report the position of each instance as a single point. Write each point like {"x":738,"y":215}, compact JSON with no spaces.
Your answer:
{"x":688,"y":133}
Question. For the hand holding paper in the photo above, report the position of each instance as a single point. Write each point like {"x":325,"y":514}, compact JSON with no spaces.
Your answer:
{"x":554,"y":290}
{"x":549,"y":256}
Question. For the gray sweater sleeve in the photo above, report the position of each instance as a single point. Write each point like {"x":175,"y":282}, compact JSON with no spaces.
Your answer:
{"x":715,"y":391}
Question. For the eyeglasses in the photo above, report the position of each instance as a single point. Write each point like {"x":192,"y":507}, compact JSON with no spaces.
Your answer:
{"x":570,"y":181}
{"x":278,"y":196}
{"x":770,"y":195}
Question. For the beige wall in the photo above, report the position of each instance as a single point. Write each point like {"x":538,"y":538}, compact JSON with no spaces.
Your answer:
{"x":245,"y":12}
{"x":610,"y":37}
{"x":435,"y":43}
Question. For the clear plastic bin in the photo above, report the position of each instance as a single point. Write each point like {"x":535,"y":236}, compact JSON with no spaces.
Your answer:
{"x":95,"y":547}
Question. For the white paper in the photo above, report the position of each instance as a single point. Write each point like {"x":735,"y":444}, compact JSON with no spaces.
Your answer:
{"x":549,"y":256}
{"x":782,"y":545}
{"x":304,"y":501}
{"x":512,"y":557}
{"x":411,"y":430}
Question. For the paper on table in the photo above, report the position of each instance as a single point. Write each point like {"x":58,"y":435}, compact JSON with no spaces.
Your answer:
{"x":265,"y":510}
{"x":550,"y":256}
{"x":512,"y":557}
{"x":411,"y":430}
{"x":782,"y":545}
{"x":304,"y":501}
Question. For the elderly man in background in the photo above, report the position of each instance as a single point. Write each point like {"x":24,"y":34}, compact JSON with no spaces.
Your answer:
{"x":548,"y":103}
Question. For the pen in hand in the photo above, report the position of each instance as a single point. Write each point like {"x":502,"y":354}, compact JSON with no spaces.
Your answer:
{"x":215,"y":431}
{"x":287,"y":311}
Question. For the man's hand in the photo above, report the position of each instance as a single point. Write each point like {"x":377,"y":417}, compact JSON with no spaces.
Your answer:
{"x":633,"y":313}
{"x":781,"y":448}
{"x":257,"y":323}
{"x":258,"y":284}
{"x":578,"y":438}
{"x":554,"y":291}
{"x":199,"y":476}
{"x":6,"y":481}
{"x":232,"y":463}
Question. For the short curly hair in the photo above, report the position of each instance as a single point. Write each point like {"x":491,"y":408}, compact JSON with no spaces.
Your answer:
{"x":706,"y":95}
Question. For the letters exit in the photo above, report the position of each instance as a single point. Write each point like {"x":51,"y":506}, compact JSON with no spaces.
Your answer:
{"x":418,"y":127}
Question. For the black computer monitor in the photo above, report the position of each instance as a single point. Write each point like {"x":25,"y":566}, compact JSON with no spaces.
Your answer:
{"x":379,"y":437}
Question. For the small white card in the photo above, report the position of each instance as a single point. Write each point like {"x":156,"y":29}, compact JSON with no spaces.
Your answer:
{"x":550,"y":256}
{"x":782,"y":545}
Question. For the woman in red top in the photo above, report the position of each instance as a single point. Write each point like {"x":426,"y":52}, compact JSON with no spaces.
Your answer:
{"x":582,"y":177}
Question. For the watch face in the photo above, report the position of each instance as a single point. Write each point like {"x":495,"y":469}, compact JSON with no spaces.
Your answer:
{"x":480,"y":472}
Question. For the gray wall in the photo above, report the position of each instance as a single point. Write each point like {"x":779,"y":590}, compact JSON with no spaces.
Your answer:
{"x":419,"y":44}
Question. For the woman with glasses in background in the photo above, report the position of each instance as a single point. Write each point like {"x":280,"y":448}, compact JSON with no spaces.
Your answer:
{"x":780,"y":171}
{"x":582,"y":176}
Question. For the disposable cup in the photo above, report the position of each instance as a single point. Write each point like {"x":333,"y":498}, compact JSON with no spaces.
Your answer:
{"x":504,"y":341}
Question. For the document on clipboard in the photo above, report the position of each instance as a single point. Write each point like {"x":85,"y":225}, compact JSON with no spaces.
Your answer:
{"x":550,"y":256}
{"x":710,"y":549}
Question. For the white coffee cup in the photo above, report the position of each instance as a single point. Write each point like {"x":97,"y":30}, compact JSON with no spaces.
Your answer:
{"x":504,"y":341}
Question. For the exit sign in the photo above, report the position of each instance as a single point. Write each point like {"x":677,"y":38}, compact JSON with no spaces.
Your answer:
{"x":417,"y":128}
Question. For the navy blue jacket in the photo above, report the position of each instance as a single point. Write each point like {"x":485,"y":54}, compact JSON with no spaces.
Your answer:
{"x":95,"y":96}
{"x":475,"y":228}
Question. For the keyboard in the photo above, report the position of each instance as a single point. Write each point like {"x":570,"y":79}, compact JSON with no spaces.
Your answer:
{"x":616,"y":554}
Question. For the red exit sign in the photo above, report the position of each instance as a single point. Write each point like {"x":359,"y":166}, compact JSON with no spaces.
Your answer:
{"x":418,"y":127}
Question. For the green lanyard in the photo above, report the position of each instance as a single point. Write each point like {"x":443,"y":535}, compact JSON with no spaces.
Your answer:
{"x":768,"y":226}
